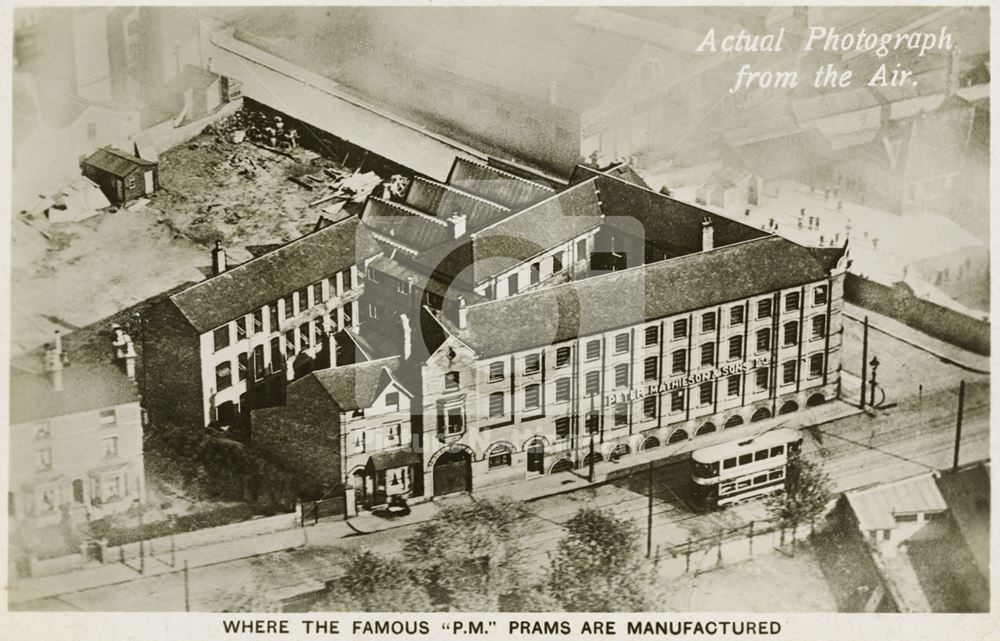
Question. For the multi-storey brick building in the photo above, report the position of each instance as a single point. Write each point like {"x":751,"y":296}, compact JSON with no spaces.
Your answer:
{"x":210,"y":347}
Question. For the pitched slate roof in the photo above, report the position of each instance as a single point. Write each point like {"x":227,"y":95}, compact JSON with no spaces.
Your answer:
{"x":265,"y":279}
{"x":648,"y":292}
{"x":443,"y":201}
{"x":495,"y":184}
{"x":85,"y":388}
{"x":876,"y":506}
{"x":115,"y":162}
{"x":405,"y":225}
{"x":356,"y":386}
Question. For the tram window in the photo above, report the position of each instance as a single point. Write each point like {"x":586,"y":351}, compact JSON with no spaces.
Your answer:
{"x":762,"y":478}
{"x":778,"y":451}
{"x":726,"y":488}
{"x":729,"y":463}
{"x":743,"y":484}
{"x":760,"y":456}
{"x":774,"y":475}
{"x":746,"y":458}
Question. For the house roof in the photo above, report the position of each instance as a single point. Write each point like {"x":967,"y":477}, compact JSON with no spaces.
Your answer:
{"x":495,"y":184}
{"x":405,"y":225}
{"x":356,"y":386}
{"x":967,"y":493}
{"x":652,"y":291}
{"x":443,"y":201}
{"x":876,"y":506}
{"x":85,"y":387}
{"x":116,"y":162}
{"x":265,"y":279}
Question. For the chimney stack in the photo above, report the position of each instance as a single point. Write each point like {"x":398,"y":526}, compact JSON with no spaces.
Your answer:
{"x":463,"y":313}
{"x":130,"y":359}
{"x":407,"y":336}
{"x":707,"y":234}
{"x":457,"y":222}
{"x":54,"y":362}
{"x":218,"y":259}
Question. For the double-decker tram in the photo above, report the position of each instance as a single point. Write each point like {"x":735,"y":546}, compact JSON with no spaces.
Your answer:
{"x":741,"y":470}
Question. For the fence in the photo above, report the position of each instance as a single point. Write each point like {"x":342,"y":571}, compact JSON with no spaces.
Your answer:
{"x":313,"y":511}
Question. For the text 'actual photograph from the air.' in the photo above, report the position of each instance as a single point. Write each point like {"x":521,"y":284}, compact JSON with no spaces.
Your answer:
{"x":500,"y":309}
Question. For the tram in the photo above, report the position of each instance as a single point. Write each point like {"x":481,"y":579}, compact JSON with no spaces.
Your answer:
{"x":741,"y":470}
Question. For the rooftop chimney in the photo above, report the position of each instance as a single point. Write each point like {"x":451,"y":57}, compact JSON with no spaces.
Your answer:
{"x":463,"y":313}
{"x":707,"y":234}
{"x":130,"y":359}
{"x":457,"y":222}
{"x":407,"y":336}
{"x":54,"y":362}
{"x":218,"y":259}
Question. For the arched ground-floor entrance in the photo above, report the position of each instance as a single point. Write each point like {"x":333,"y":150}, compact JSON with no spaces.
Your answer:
{"x":453,"y":472}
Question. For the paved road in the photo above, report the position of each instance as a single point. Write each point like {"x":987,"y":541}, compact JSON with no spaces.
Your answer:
{"x":855,"y":451}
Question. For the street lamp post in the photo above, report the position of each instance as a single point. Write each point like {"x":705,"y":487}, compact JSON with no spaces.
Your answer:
{"x":874,"y":363}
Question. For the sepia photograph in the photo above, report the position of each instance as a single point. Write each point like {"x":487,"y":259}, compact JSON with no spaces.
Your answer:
{"x":499,"y":309}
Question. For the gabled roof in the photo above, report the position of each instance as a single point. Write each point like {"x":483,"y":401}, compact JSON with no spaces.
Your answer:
{"x":116,"y":162}
{"x":357,"y":386}
{"x":85,"y":388}
{"x":495,"y":184}
{"x":263,"y":280}
{"x":443,"y":201}
{"x":876,"y":506}
{"x":648,"y":292}
{"x":406,"y":225}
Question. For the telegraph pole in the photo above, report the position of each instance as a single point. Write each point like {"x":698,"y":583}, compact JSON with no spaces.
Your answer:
{"x":958,"y":422}
{"x":187,"y":589}
{"x":590,"y":472}
{"x":649,"y":511}
{"x":864,"y":364}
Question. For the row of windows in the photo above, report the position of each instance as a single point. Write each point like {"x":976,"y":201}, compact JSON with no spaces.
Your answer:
{"x":790,"y":330}
{"x":747,"y":483}
{"x":290,"y":305}
{"x":43,"y":456}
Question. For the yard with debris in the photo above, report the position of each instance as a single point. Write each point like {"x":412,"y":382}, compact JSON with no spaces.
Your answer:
{"x":245,"y":194}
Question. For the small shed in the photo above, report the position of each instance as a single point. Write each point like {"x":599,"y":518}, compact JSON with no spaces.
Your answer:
{"x":120,"y":175}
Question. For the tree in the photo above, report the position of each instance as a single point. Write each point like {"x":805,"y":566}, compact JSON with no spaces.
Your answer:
{"x":598,"y":566}
{"x":375,"y":584}
{"x":469,"y":558}
{"x":807,"y":493}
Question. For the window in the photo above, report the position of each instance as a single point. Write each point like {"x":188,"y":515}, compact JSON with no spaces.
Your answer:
{"x":331,"y":289}
{"x":621,"y":343}
{"x":258,"y":362}
{"x":788,"y":372}
{"x":221,"y":337}
{"x":906,"y":518}
{"x":791,"y":301}
{"x":706,"y":393}
{"x":241,"y":361}
{"x":764,"y":308}
{"x":593,"y":384}
{"x":532,"y":364}
{"x":496,"y":371}
{"x":650,"y":368}
{"x":777,"y":450}
{"x":535,"y":273}
{"x":496,"y":405}
{"x":652,"y":335}
{"x":108,"y":417}
{"x":761,"y":379}
{"x":819,"y":295}
{"x":348,"y":315}
{"x":733,"y":385}
{"x":392,"y":399}
{"x":110,"y":446}
{"x":402,"y":287}
{"x":592,"y":422}
{"x":43,"y":458}
{"x":562,"y":427}
{"x":372,"y":310}
{"x":562,"y":356}
{"x":677,"y":401}
{"x":272,"y":320}
{"x":393,"y":433}
{"x":451,"y":381}
{"x":286,"y":307}
{"x":763,"y":339}
{"x":303,"y":299}
{"x":275,"y":354}
{"x":621,"y":375}
{"x":512,"y":284}
{"x":347,"y":280}
{"x":621,"y":414}
{"x":760,"y":455}
{"x":649,"y":407}
{"x":258,"y":320}
{"x":499,"y":457}
{"x":456,"y":422}
{"x":593,"y":350}
{"x":745,"y":459}
{"x":241,"y":328}
{"x":360,"y":441}
{"x":791,"y":333}
{"x":290,"y":346}
{"x":223,"y":375}
{"x":760,"y":478}
{"x":815,"y":365}
{"x":131,"y":182}
{"x":708,"y":354}
{"x":581,"y":249}
{"x":775,"y":475}
{"x":678,"y":361}
{"x":736,"y":315}
{"x":531,"y":397}
{"x":562,"y":390}
{"x":708,"y":322}
{"x":680,"y":328}
{"x":818,"y":326}
{"x":48,"y":500}
{"x":729,"y":463}
{"x":43,"y":431}
{"x":735,"y":347}
{"x":557,"y":262}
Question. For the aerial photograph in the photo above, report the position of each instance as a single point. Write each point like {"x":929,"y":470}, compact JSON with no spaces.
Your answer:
{"x":487,"y":309}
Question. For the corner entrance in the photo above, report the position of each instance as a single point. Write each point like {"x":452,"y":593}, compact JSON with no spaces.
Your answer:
{"x":453,"y":473}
